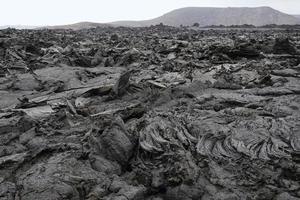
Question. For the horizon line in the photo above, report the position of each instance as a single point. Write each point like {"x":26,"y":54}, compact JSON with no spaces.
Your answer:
{"x":84,"y":21}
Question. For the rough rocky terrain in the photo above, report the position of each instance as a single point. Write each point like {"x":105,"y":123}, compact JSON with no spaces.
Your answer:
{"x":149,"y":113}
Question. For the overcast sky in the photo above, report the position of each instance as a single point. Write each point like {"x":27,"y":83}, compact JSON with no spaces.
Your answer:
{"x":56,"y":12}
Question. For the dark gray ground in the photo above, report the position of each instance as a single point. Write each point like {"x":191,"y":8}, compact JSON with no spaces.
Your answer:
{"x":149,"y":113}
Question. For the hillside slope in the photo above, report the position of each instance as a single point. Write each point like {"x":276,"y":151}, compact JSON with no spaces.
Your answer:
{"x":205,"y":16}
{"x":298,"y":16}
{"x":77,"y":26}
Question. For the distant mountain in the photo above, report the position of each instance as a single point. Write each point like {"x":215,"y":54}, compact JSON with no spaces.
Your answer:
{"x":77,"y":26}
{"x":204,"y":16}
{"x":207,"y":16}
{"x":298,"y":16}
{"x":18,"y":27}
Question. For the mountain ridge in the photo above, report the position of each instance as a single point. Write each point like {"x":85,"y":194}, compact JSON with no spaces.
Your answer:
{"x":207,"y":16}
{"x":77,"y":26}
{"x":204,"y":16}
{"x":18,"y":27}
{"x":298,"y":16}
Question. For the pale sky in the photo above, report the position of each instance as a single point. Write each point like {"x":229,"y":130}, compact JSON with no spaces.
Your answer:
{"x":57,"y":12}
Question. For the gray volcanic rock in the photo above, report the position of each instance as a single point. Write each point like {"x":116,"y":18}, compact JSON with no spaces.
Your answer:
{"x":283,"y":45}
{"x":161,"y":113}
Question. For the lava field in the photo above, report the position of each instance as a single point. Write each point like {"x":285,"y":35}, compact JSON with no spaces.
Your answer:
{"x":150,"y":113}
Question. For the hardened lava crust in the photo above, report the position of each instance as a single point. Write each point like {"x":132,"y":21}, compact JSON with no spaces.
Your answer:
{"x":150,"y":113}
